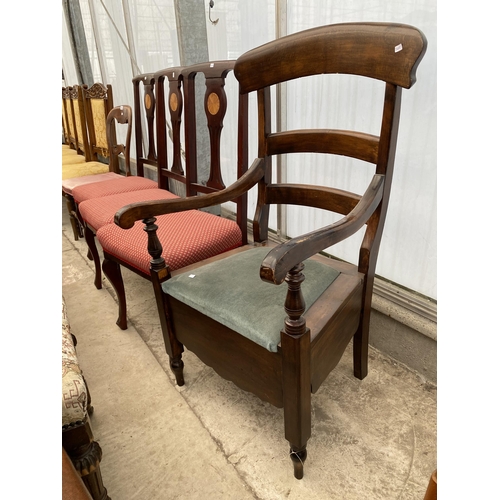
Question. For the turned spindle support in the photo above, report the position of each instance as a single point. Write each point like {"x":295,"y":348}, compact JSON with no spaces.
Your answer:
{"x":295,"y":345}
{"x":159,"y":273}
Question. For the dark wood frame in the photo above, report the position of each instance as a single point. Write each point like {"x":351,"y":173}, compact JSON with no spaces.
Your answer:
{"x":148,"y":82}
{"x":312,"y":343}
{"x":77,"y":122}
{"x":123,"y":116}
{"x":85,"y":455}
{"x":65,"y":122}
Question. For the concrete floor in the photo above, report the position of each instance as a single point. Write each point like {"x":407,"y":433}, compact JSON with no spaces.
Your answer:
{"x":371,"y":439}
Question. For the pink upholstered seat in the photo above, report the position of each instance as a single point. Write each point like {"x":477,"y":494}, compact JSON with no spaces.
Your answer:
{"x":107,"y":186}
{"x":186,"y":238}
{"x":69,"y":184}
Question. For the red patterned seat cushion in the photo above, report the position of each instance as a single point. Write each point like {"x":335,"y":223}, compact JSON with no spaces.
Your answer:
{"x":186,"y":238}
{"x":98,"y":212}
{"x":119,"y":184}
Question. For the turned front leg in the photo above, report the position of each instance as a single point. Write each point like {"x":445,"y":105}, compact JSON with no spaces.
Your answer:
{"x":159,"y":271}
{"x":296,"y":352}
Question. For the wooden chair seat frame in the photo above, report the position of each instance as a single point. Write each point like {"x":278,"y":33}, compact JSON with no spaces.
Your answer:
{"x":311,"y":343}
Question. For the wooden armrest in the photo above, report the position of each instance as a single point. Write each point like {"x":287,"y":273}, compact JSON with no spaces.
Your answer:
{"x":284,"y":257}
{"x":126,"y":216}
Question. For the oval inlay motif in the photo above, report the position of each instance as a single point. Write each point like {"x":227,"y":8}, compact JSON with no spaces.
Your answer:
{"x":147,"y":101}
{"x":173,"y":102}
{"x":213,"y":103}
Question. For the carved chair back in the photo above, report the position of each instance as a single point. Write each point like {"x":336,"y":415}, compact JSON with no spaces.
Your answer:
{"x":123,"y":116}
{"x":97,"y":103}
{"x":169,"y":96}
{"x":144,"y":120}
{"x":77,"y":121}
{"x":65,"y":121}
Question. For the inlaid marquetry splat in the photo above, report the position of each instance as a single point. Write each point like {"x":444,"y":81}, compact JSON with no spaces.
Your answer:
{"x":173,"y":102}
{"x":213,"y":103}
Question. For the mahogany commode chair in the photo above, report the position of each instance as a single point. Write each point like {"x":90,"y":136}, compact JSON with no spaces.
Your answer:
{"x":280,"y":343}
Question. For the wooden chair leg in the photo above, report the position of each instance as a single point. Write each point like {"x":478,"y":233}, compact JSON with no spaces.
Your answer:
{"x":360,"y":348}
{"x":431,"y":493}
{"x":112,"y":271}
{"x":90,"y":239}
{"x":173,"y":347}
{"x":86,"y":455}
{"x":70,"y":205}
{"x":296,"y":352}
{"x":159,"y":268}
{"x":297,"y":401}
{"x":177,"y":367}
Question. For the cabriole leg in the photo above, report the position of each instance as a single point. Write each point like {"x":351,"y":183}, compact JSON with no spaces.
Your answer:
{"x":113,"y":272}
{"x":70,"y":205}
{"x":90,"y":239}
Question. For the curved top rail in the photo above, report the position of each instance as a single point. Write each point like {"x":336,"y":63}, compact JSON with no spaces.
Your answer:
{"x":384,"y":51}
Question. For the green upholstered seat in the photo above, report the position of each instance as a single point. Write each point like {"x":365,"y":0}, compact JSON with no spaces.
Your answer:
{"x":231,"y":292}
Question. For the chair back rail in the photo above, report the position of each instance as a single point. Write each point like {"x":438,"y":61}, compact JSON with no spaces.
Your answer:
{"x":123,"y":116}
{"x":399,"y":46}
{"x":148,"y":105}
{"x":68,"y":112}
{"x":174,"y":102}
{"x":77,"y":120}
{"x":215,"y":104}
{"x":65,"y":122}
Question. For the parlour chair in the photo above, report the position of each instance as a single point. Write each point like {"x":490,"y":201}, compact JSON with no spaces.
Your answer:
{"x":78,"y":189}
{"x":67,"y":147}
{"x":86,"y":188}
{"x":186,"y":237}
{"x":89,"y":110}
{"x":281,"y":342}
{"x":97,"y":207}
{"x":71,"y":152}
{"x":110,"y":195}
